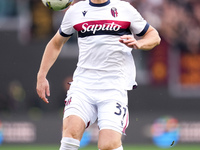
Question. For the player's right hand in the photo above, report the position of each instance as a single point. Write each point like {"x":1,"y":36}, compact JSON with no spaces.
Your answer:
{"x":43,"y":89}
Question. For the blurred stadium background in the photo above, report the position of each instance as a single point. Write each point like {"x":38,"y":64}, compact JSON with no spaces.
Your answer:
{"x":164,"y":109}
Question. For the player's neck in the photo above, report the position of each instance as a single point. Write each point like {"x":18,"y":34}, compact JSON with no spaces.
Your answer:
{"x":98,"y":1}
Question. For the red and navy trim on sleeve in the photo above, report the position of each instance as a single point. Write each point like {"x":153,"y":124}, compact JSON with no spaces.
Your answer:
{"x":63,"y":34}
{"x":144,"y":30}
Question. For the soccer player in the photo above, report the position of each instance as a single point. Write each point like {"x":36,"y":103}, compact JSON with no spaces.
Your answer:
{"x":105,"y":69}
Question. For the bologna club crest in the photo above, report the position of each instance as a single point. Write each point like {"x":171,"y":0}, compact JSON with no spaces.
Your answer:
{"x":114,"y":12}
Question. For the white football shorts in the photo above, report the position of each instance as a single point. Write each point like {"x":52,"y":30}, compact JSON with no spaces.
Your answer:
{"x":108,"y":105}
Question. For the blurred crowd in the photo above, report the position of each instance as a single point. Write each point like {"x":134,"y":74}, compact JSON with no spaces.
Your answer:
{"x":178,"y":21}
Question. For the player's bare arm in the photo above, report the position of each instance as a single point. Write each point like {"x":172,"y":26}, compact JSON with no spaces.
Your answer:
{"x":147,"y":42}
{"x":50,"y":55}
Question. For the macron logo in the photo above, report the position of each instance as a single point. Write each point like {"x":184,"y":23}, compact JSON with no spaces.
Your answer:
{"x":84,"y":13}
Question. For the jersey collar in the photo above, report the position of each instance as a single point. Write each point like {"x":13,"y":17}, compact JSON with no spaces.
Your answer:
{"x":99,"y":5}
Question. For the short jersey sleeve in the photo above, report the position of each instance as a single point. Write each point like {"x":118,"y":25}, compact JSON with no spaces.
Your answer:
{"x":138,"y":25}
{"x":66,"y":28}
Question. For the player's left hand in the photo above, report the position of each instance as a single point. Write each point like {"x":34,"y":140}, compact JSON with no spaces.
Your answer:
{"x":129,"y":41}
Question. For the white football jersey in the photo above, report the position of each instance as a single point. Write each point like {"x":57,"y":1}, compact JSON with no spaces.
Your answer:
{"x":104,"y":62}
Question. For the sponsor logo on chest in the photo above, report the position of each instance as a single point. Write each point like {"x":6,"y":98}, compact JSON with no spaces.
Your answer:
{"x":100,"y":27}
{"x":97,"y":27}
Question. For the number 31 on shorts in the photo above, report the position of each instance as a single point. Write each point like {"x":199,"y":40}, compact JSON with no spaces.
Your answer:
{"x":121,"y":111}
